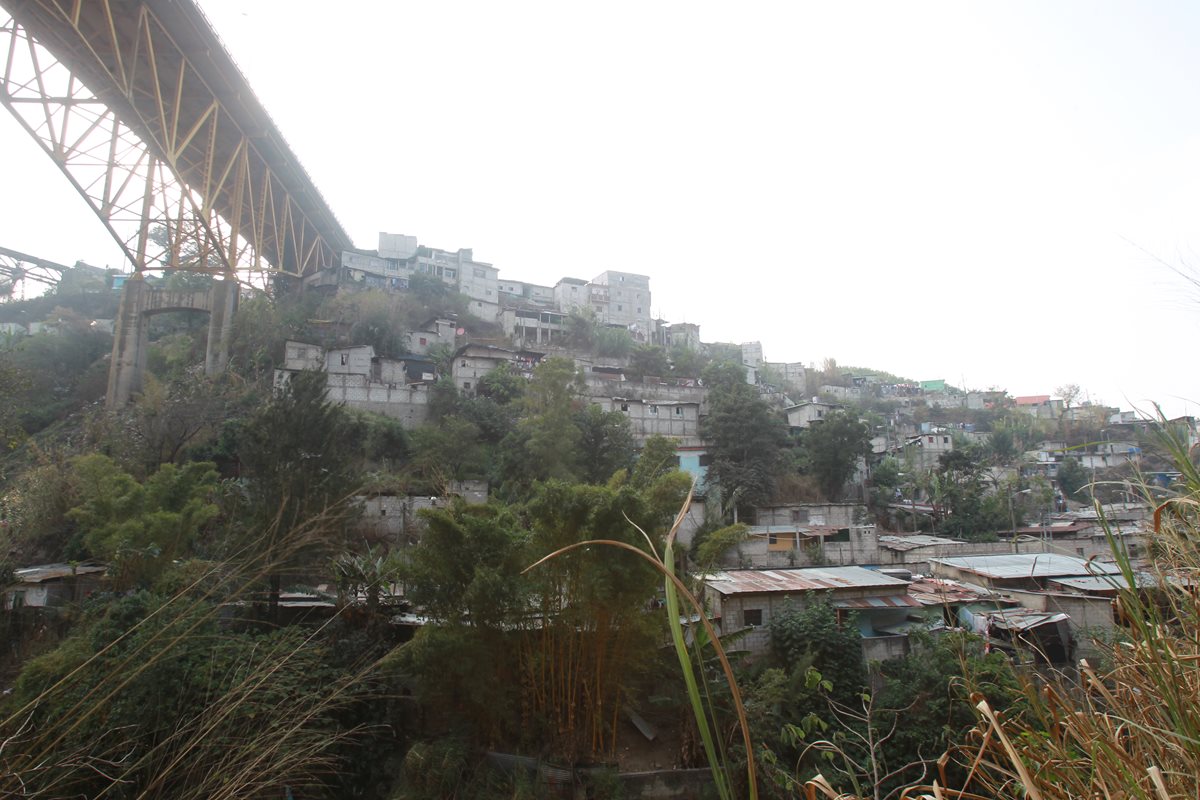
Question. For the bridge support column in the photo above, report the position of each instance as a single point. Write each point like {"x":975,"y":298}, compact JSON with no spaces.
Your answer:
{"x":130,"y":342}
{"x":131,"y":334}
{"x":223,"y":299}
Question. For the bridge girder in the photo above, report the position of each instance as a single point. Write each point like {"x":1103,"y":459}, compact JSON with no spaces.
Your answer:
{"x":16,"y":267}
{"x":140,"y":107}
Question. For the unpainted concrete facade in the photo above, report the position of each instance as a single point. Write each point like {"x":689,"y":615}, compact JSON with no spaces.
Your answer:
{"x":674,"y":419}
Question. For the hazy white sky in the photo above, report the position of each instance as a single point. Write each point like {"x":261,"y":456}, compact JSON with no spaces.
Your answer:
{"x":975,"y":192}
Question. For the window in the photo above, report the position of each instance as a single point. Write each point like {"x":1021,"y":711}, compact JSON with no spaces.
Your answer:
{"x":344,"y":357}
{"x":639,"y":309}
{"x":930,"y":439}
{"x":464,"y":363}
{"x":620,"y":308}
{"x":945,"y":440}
{"x":679,"y":411}
{"x":654,"y":411}
{"x":751,"y":617}
{"x":800,"y":516}
{"x":480,"y":273}
{"x":624,"y":406}
{"x":705,"y":460}
{"x":424,"y":340}
{"x":466,"y":385}
{"x":772,"y":538}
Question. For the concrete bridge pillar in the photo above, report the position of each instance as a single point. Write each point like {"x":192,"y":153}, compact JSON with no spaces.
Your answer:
{"x":130,"y":341}
{"x":223,"y":298}
{"x":131,"y":333}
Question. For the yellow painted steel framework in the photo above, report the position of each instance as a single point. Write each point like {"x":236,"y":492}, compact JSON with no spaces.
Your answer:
{"x":17,"y":267}
{"x":144,"y":112}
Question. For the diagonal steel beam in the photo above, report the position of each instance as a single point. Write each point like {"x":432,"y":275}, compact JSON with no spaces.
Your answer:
{"x":141,"y":109}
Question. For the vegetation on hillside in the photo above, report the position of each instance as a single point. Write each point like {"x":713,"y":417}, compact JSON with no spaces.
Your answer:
{"x":217,"y":500}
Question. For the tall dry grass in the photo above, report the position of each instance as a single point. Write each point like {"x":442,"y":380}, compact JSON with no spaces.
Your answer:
{"x":244,"y":742}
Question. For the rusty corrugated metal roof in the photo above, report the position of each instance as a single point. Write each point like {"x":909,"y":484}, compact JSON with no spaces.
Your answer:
{"x":805,"y":579}
{"x":879,"y":601}
{"x":941,"y":591}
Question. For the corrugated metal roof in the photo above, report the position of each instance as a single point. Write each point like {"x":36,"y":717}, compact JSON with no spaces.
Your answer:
{"x":882,"y":601}
{"x":49,"y":572}
{"x":806,"y":579}
{"x":938,"y":592}
{"x":914,"y":541}
{"x":1023,"y":619}
{"x":1027,"y":565}
{"x":1106,"y":583}
{"x":803,"y":530}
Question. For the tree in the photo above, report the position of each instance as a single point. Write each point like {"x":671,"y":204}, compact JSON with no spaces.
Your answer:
{"x":383,"y":439}
{"x":809,"y":636}
{"x":1069,"y":393}
{"x":613,"y":342}
{"x":885,"y":481}
{"x":687,"y":363}
{"x":1001,"y":446}
{"x":745,"y":437}
{"x":141,"y":528}
{"x":450,"y":450}
{"x":933,"y":686}
{"x":378,"y":325}
{"x":597,"y":643}
{"x":504,"y":385}
{"x":548,"y":434}
{"x":57,"y":372}
{"x":832,"y":450}
{"x":13,"y":383}
{"x":649,"y":359}
{"x":443,"y":399}
{"x":606,"y":441}
{"x":581,"y":328}
{"x":658,"y":457}
{"x":466,"y":568}
{"x":1072,"y":479}
{"x":298,"y":454}
{"x":960,"y":487}
{"x":710,"y":547}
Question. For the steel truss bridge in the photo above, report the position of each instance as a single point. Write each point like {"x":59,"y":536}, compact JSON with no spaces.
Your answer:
{"x":144,"y":112}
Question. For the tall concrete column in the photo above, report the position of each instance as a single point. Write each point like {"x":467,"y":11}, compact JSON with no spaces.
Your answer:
{"x":223,"y":298}
{"x":130,"y":342}
{"x":131,"y":334}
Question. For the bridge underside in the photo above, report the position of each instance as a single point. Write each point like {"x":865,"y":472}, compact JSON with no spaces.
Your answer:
{"x":144,"y":112}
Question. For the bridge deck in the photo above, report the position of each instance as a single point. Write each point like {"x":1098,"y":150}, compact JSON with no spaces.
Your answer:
{"x":162,"y":68}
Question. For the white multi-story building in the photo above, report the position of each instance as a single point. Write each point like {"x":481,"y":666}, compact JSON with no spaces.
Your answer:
{"x":570,"y":294}
{"x":752,"y":354}
{"x":623,"y":298}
